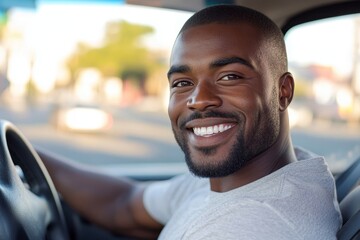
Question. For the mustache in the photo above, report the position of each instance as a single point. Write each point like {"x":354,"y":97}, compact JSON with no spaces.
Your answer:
{"x":207,"y":114}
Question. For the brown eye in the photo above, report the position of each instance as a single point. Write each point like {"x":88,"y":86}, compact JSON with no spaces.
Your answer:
{"x":181,"y":83}
{"x":231,"y":77}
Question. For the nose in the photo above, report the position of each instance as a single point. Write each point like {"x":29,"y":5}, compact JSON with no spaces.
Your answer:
{"x":204,"y":97}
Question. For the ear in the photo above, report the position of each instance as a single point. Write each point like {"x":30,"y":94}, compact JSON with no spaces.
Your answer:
{"x":286,"y":90}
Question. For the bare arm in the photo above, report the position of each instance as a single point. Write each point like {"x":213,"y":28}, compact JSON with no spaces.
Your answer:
{"x":114,"y":203}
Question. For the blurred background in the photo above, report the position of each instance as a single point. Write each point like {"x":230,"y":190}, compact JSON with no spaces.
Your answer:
{"x":87,"y":79}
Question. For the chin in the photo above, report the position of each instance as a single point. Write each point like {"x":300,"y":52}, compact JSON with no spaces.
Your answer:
{"x":210,"y":168}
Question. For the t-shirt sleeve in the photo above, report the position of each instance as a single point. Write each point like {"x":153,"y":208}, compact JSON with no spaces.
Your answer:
{"x":161,"y":199}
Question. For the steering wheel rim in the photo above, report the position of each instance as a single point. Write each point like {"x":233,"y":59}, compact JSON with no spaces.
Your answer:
{"x":29,"y":204}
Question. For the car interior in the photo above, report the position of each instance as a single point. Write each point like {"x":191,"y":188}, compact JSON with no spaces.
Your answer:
{"x":28,"y":196}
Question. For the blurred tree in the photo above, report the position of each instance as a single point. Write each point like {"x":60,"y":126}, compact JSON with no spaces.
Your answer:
{"x":3,"y":22}
{"x":122,"y":55}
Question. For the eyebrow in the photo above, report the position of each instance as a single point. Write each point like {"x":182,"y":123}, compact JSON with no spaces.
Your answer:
{"x":215,"y":64}
{"x":225,"y":61}
{"x":178,"y":69}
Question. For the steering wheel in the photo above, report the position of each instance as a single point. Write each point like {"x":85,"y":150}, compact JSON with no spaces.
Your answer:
{"x":29,"y":204}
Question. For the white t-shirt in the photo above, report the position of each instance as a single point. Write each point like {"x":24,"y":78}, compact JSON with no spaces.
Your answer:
{"x":297,"y":201}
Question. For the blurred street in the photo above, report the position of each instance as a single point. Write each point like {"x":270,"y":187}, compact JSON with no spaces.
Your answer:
{"x":146,"y":137}
{"x":135,"y":136}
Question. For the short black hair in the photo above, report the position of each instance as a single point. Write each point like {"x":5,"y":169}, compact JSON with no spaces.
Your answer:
{"x":224,"y":14}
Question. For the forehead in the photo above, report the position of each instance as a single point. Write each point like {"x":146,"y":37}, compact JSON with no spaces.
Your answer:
{"x":209,"y":41}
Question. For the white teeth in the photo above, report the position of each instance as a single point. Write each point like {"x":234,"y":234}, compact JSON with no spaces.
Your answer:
{"x":216,"y":129}
{"x":221,"y":128}
{"x":203,"y":131}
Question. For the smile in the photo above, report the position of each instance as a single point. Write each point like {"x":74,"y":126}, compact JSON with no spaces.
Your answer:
{"x":211,"y":130}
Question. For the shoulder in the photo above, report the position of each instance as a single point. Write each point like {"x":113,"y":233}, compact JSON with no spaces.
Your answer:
{"x":161,"y":199}
{"x":178,"y":186}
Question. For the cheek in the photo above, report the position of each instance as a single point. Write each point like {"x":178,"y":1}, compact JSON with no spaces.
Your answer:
{"x":175,"y":108}
{"x":251,"y":106}
{"x":171,"y":109}
{"x":246,"y":101}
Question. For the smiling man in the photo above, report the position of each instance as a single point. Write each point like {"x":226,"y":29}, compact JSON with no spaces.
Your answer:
{"x":227,"y":101}
{"x":229,"y":93}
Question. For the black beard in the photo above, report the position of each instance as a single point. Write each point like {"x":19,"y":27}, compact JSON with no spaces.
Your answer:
{"x":263,"y":136}
{"x":234,"y":161}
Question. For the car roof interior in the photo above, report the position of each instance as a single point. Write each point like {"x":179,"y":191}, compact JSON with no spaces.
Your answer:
{"x":270,"y":8}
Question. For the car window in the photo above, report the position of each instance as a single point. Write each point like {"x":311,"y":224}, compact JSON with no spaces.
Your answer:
{"x":324,"y":57}
{"x":88,"y":81}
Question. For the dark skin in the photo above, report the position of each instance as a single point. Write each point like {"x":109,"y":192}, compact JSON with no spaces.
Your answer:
{"x":243,"y":84}
{"x":213,"y":66}
{"x":113,"y":203}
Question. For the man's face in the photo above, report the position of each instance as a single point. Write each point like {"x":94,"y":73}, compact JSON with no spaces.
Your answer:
{"x":223,"y":100}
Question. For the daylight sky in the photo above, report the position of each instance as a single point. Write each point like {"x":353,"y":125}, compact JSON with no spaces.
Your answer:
{"x":57,"y":27}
